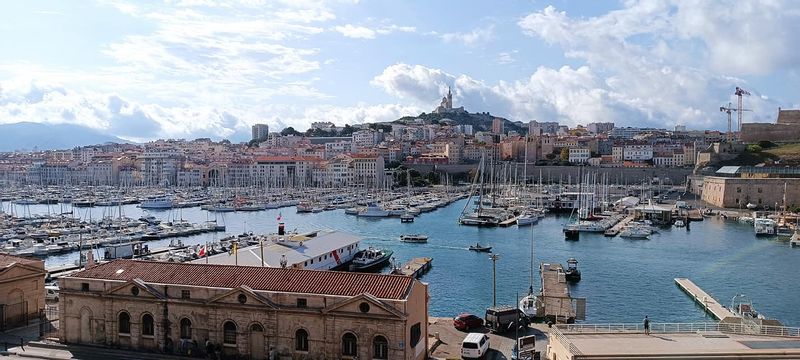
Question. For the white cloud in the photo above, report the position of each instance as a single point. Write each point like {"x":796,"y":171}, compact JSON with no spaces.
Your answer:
{"x":506,"y":57}
{"x":355,"y":32}
{"x":670,"y":62}
{"x":472,"y":38}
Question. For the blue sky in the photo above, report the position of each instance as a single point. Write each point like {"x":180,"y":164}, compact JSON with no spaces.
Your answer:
{"x":206,"y":68}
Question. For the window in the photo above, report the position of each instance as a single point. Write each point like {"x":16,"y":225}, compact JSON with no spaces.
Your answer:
{"x":185,"y":294}
{"x":229,"y":333}
{"x":301,"y":340}
{"x":186,"y":328}
{"x":759,"y":190}
{"x":84,"y":286}
{"x":363,"y":307}
{"x":380,"y":348}
{"x":301,"y":303}
{"x":124,"y":323}
{"x":148,"y":325}
{"x":349,"y":345}
{"x":416,"y":334}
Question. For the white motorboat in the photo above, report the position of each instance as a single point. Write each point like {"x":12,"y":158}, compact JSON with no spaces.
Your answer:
{"x":157,"y":202}
{"x":414,"y":238}
{"x":528,"y":306}
{"x":527,"y":218}
{"x":679,"y":223}
{"x":373,"y":210}
{"x":765,"y":226}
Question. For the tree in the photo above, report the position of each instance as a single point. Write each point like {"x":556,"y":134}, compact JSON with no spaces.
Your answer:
{"x":564,"y":154}
{"x":754,"y":148}
{"x":347,"y":130}
{"x":290,"y":131}
{"x":393,"y":164}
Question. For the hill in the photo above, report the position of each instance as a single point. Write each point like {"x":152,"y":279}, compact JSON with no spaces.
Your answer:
{"x":479,"y":121}
{"x":29,"y":136}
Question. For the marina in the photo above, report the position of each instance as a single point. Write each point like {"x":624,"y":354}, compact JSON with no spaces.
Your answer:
{"x":712,"y":252}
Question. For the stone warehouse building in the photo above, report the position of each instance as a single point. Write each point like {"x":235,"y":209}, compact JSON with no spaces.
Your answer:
{"x":246,"y":311}
{"x":21,"y":290}
{"x":765,"y":187}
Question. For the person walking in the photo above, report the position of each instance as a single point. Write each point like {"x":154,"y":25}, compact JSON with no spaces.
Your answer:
{"x":646,"y":325}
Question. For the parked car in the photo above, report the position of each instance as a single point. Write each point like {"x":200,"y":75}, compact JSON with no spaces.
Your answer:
{"x":51,"y":292}
{"x":466,"y":321}
{"x":474,"y":346}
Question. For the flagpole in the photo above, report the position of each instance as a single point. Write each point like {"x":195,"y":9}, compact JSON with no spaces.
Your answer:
{"x":262,"y":252}
{"x":206,"y":252}
{"x":236,"y":253}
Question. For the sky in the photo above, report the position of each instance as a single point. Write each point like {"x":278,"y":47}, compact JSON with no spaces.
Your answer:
{"x":142,"y":70}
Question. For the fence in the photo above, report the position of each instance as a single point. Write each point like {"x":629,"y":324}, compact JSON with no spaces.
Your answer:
{"x":13,"y":315}
{"x":729,"y":328}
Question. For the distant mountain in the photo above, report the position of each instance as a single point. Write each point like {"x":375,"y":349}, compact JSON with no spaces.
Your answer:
{"x":479,"y":121}
{"x":29,"y":136}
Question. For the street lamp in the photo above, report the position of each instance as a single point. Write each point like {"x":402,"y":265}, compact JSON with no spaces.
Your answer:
{"x":494,"y":258}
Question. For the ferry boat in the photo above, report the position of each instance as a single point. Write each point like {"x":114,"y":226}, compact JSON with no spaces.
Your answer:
{"x":157,"y":202}
{"x":414,"y":238}
{"x":371,"y":259}
{"x":764,"y":226}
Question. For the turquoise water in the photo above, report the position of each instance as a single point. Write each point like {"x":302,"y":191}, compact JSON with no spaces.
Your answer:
{"x":623,"y":280}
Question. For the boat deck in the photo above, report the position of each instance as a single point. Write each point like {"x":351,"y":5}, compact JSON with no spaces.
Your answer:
{"x":415,"y":267}
{"x":508,"y":222}
{"x":709,"y":304}
{"x":614,"y":230}
{"x":555,"y":300}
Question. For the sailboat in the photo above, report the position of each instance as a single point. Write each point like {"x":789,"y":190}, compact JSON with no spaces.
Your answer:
{"x":528,"y":304}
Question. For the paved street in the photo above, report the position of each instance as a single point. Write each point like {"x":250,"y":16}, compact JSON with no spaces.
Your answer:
{"x":500,"y":345}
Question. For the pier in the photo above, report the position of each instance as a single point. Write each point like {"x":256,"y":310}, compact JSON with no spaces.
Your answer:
{"x":709,"y":304}
{"x":555,"y":302}
{"x":416,"y":267}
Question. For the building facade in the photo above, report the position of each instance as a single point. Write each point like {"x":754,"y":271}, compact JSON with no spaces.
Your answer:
{"x":21,"y":290}
{"x":260,"y":132}
{"x":246,"y":311}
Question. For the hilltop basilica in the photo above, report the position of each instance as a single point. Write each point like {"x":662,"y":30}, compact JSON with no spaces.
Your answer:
{"x":446,"y":106}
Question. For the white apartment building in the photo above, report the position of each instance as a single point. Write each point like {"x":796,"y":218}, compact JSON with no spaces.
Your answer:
{"x":638,"y":152}
{"x":284,"y":170}
{"x":260,"y":132}
{"x":367,"y":170}
{"x":365,"y":138}
{"x":579,"y":155}
{"x":334,"y":149}
{"x":160,"y":167}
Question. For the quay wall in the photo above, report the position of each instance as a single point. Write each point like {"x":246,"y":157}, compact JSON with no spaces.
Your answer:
{"x":555,"y":173}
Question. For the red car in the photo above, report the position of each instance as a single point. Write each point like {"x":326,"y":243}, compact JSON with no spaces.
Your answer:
{"x":465,"y":322}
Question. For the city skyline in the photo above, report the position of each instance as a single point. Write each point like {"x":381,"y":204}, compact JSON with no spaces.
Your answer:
{"x":193,"y":69}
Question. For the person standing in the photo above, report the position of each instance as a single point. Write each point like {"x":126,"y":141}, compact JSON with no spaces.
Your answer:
{"x":646,"y":325}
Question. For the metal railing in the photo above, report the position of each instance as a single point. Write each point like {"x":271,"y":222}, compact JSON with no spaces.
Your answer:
{"x":743,"y":329}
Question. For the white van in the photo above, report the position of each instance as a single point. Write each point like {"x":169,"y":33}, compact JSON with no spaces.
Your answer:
{"x":474,"y":346}
{"x":51,"y":292}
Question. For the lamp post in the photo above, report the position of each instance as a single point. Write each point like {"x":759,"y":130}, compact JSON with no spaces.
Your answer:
{"x":494,"y":258}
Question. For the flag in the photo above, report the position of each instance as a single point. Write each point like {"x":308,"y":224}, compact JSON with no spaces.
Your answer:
{"x":280,"y":216}
{"x":202,"y":251}
{"x":233,"y":249}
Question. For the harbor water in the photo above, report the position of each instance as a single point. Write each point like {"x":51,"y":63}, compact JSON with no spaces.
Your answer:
{"x":623,"y":279}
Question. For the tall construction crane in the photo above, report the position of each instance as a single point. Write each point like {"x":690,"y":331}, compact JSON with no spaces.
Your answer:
{"x":739,"y":92}
{"x":728,"y":110}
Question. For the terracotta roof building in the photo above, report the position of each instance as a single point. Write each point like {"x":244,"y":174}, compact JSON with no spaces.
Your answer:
{"x":246,"y":310}
{"x":21,"y":290}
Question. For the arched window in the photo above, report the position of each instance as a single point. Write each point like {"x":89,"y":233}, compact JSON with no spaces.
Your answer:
{"x":349,"y":344}
{"x":186,"y":328}
{"x":380,"y":348}
{"x":256,"y":328}
{"x":301,"y":340}
{"x":124,"y":323}
{"x":148,"y":325}
{"x":229,"y":333}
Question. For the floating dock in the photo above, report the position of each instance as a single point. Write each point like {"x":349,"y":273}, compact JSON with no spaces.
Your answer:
{"x":416,"y":267}
{"x":709,"y":304}
{"x":555,"y":302}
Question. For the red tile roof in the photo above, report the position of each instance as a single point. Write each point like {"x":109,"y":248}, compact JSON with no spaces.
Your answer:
{"x":6,"y":260}
{"x":258,"y":278}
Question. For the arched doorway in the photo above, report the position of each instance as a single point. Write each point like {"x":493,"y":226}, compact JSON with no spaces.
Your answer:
{"x":256,"y":342}
{"x":86,"y":326}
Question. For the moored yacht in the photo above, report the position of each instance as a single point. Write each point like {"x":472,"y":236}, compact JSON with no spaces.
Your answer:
{"x":371,"y":259}
{"x":157,"y":202}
